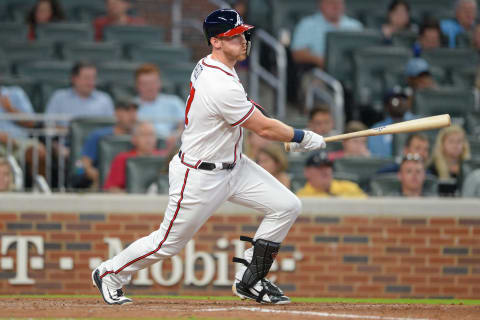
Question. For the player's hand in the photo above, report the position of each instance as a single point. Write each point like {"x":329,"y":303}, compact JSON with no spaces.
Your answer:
{"x":311,"y":141}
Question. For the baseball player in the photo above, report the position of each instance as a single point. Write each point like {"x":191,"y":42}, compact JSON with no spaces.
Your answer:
{"x":211,"y":169}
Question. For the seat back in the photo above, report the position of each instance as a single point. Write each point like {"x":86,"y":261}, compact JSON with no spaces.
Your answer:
{"x":108,"y":148}
{"x":118,"y":72}
{"x":456,"y":102}
{"x":287,"y":13}
{"x":388,"y":184}
{"x":450,"y":60}
{"x":363,"y":168}
{"x":128,"y":35}
{"x":92,"y":51}
{"x":24,"y":51}
{"x":142,"y":172}
{"x":160,"y":54}
{"x":65,"y":32}
{"x":12,"y":31}
{"x":46,"y":70}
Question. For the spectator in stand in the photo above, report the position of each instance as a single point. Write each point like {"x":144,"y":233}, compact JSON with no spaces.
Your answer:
{"x":398,"y":19}
{"x":82,"y":99}
{"x":412,"y":176}
{"x":418,"y":75}
{"x":417,"y":143}
{"x":14,"y":135}
{"x":397,"y":107}
{"x":6,"y":176}
{"x":465,"y":15}
{"x":273,"y":159}
{"x":450,"y":150}
{"x":117,"y":14}
{"x":309,"y":38}
{"x":320,"y":121}
{"x":166,"y":111}
{"x":471,"y":185}
{"x":126,"y":116}
{"x":320,"y":183}
{"x":430,"y":37}
{"x":356,"y":147}
{"x":254,"y":143}
{"x":44,"y":11}
{"x":144,"y":141}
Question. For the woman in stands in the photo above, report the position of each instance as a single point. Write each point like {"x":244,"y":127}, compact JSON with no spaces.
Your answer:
{"x":273,"y":159}
{"x":398,"y":19}
{"x":44,"y":11}
{"x":6,"y":176}
{"x":450,"y":150}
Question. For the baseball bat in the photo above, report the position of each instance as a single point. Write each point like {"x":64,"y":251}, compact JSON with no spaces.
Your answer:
{"x":427,"y":123}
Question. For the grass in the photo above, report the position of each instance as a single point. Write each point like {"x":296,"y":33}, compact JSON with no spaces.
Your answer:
{"x":294,"y":299}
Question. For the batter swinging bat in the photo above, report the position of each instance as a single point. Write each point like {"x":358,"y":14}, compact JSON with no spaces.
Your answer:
{"x":421,"y":124}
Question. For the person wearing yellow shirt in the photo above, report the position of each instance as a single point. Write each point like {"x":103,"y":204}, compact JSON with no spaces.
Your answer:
{"x":320,"y":183}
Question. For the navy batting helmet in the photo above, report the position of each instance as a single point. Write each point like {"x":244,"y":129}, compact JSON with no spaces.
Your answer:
{"x":225,"y":23}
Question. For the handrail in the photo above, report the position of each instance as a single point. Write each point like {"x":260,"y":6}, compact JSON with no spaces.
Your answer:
{"x":337,"y":100}
{"x":257,"y":72}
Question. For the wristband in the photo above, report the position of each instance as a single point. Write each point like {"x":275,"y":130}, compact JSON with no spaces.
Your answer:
{"x":298,"y":135}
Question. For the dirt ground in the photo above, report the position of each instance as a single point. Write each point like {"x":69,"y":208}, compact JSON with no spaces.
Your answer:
{"x":200,"y":309}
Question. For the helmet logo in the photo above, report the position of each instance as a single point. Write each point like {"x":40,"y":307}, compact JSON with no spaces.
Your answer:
{"x":239,"y":21}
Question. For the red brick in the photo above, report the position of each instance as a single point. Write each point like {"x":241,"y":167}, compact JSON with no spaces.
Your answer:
{"x":356,"y":220}
{"x":413,"y":260}
{"x":78,"y":286}
{"x":107,"y":227}
{"x":427,"y":231}
{"x":469,"y":241}
{"x":327,"y":259}
{"x":310,"y":268}
{"x":341,"y":268}
{"x":216,"y":219}
{"x":413,"y":241}
{"x":8,"y":217}
{"x":475,"y":261}
{"x":441,"y":260}
{"x":368,"y":250}
{"x":63,"y":217}
{"x":304,"y":248}
{"x":118,"y":217}
{"x":384,"y":259}
{"x":240,"y":219}
{"x":152,"y":218}
{"x":340,"y":249}
{"x":63,"y":236}
{"x":442,"y":280}
{"x":355,"y":278}
{"x":398,"y":269}
{"x":413,"y":279}
{"x":369,"y":229}
{"x":312,"y":229}
{"x":454,"y":290}
{"x":456,"y":231}
{"x":371,"y":289}
{"x":340,"y":229}
{"x":428,"y":290}
{"x":296,"y":278}
{"x":444,"y":241}
{"x":385,"y":221}
{"x":384,"y":240}
{"x":443,"y":222}
{"x":91,"y":236}
{"x":469,"y":281}
{"x":293,"y":238}
{"x":427,"y":270}
{"x":327,"y":278}
{"x":399,"y":230}
{"x":426,"y":250}
{"x":137,"y":227}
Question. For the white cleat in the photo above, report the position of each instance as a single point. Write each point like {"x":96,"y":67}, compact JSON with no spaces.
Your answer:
{"x":110,"y":296}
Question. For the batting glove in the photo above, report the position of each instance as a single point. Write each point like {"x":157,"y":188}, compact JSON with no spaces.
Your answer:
{"x":311,"y":141}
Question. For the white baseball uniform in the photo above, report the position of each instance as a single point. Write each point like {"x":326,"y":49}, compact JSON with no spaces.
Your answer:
{"x":216,"y":108}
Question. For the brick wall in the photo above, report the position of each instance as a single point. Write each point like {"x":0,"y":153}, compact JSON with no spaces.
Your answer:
{"x":323,"y":255}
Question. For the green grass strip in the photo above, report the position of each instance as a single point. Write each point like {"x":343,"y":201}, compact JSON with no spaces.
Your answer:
{"x":294,"y":299}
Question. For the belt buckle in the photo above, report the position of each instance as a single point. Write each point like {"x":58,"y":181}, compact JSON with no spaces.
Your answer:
{"x":228,"y":166}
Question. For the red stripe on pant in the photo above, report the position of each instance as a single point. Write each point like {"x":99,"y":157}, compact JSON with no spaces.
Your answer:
{"x":164,"y":238}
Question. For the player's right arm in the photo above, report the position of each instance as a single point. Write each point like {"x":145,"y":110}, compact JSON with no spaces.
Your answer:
{"x":272,"y":129}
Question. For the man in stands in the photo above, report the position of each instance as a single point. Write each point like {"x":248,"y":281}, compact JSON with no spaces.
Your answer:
{"x":144,"y":142}
{"x":355,"y":147}
{"x":126,"y":116}
{"x":166,"y":111}
{"x":465,"y":16}
{"x":117,"y":14}
{"x":309,"y":39}
{"x":412,"y":176}
{"x":418,"y":75}
{"x":320,"y":183}
{"x":429,"y":37}
{"x":320,"y":121}
{"x":82,"y":99}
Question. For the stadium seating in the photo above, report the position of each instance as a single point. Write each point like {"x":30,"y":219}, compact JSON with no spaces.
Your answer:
{"x":371,"y":66}
{"x":160,"y":54}
{"x":46,"y":70}
{"x":389,"y":185}
{"x":12,"y":31}
{"x":363,"y":9}
{"x":179,"y":74}
{"x":404,"y":39}
{"x":363,"y":168}
{"x":133,"y":35}
{"x":27,"y":84}
{"x":65,"y":32}
{"x":17,"y":9}
{"x":286,"y":13}
{"x":23,"y":51}
{"x":45,"y":90}
{"x":339,"y":52}
{"x":450,"y":60}
{"x":163,"y":184}
{"x":92,"y":51}
{"x":469,"y":166}
{"x":4,"y":65}
{"x":464,"y":77}
{"x":456,"y":102}
{"x":439,"y":9}
{"x":79,"y":130}
{"x":474,"y":146}
{"x":117,"y":72}
{"x":464,"y":41}
{"x":83,"y":10}
{"x":471,"y":185}
{"x":108,"y":148}
{"x":473,"y":124}
{"x":142,"y":172}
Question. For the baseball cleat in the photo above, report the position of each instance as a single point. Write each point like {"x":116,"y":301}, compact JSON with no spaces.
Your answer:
{"x":263,"y":292}
{"x":110,"y":296}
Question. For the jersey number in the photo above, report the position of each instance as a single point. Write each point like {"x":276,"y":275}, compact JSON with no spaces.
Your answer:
{"x":189,"y":102}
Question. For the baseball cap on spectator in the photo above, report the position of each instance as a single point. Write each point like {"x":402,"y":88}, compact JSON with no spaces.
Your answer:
{"x":412,"y":157}
{"x":417,"y":67}
{"x":318,"y":159}
{"x":396,"y":92}
{"x":125,"y":104}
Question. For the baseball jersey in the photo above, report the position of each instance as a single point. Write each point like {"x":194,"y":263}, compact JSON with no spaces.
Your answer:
{"x":216,"y":107}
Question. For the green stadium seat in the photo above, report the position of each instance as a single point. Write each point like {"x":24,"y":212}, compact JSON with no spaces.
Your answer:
{"x":363,"y":168}
{"x":118,"y":72}
{"x":83,"y":10}
{"x":179,"y":74}
{"x":163,"y":184}
{"x":79,"y":130}
{"x":142,"y":172}
{"x":12,"y":31}
{"x":24,"y":51}
{"x":46,"y":88}
{"x":388,"y":184}
{"x":160,"y":54}
{"x":474,"y":146}
{"x":129,"y":36}
{"x":439,"y":9}
{"x":464,"y":41}
{"x":465,"y":77}
{"x":468,"y":166}
{"x":339,"y":52}
{"x":450,"y":59}
{"x":92,"y":51}
{"x":17,"y":9}
{"x":364,"y":10}
{"x":27,"y":84}
{"x":371,"y":66}
{"x":456,"y":102}
{"x":473,"y":124}
{"x":46,"y":70}
{"x":108,"y":148}
{"x":128,"y":91}
{"x":65,"y":32}
{"x":286,"y":13}
{"x":471,"y":185}
{"x":404,"y":39}
{"x":4,"y":64}
{"x":297,"y":182}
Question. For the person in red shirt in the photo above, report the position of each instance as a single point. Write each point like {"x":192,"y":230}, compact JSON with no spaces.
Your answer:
{"x":116,"y":14}
{"x":144,"y":141}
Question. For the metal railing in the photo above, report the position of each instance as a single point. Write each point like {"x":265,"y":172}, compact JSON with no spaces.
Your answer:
{"x":319,"y":88}
{"x":279,"y":81}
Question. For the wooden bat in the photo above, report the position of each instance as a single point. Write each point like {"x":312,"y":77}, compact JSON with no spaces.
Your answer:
{"x":421,"y":124}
